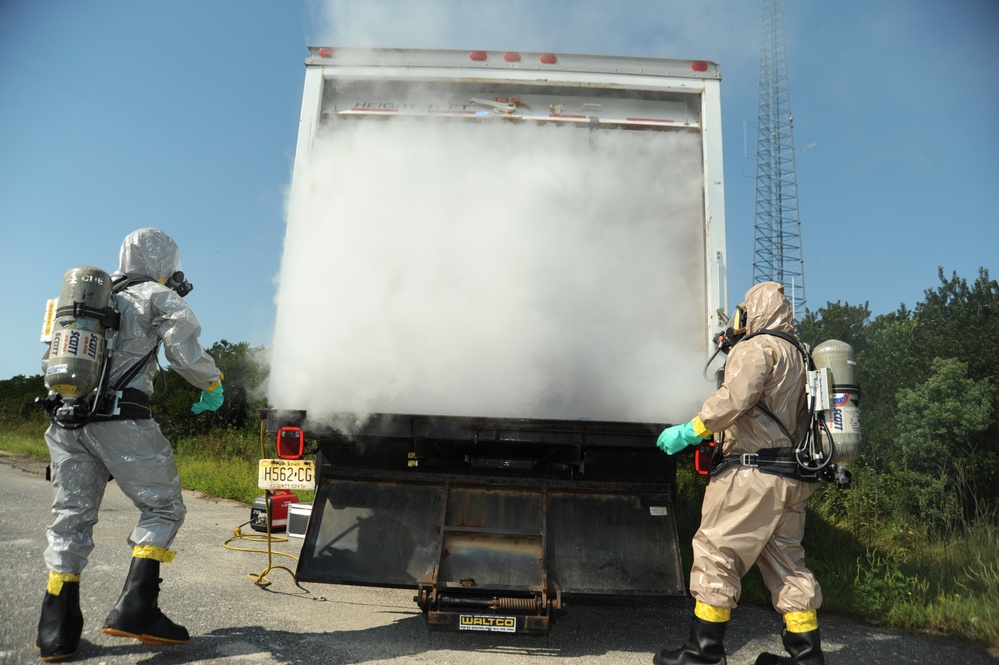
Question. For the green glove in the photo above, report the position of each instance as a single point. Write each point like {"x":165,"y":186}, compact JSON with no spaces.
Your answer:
{"x":210,"y":401}
{"x":676,"y":438}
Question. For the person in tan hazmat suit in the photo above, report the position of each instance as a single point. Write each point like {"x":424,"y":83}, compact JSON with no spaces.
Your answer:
{"x":126,"y":443}
{"x":754,"y":505}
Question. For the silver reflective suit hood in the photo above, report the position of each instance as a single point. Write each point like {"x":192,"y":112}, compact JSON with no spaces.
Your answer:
{"x":152,"y":313}
{"x":148,"y":253}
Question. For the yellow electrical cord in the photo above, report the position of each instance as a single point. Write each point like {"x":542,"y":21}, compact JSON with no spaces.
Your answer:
{"x":260,"y":579}
{"x":256,"y":538}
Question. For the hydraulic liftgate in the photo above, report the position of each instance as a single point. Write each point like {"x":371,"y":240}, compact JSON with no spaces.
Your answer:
{"x":492,"y":521}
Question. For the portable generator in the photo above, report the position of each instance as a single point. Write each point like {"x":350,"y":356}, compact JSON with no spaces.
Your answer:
{"x":279,"y":500}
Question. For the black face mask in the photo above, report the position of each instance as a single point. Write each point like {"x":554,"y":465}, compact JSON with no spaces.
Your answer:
{"x":735,"y":332}
{"x":179,"y":285}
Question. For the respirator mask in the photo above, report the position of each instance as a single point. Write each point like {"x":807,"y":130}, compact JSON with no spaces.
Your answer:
{"x":734,"y":332}
{"x":178,"y":283}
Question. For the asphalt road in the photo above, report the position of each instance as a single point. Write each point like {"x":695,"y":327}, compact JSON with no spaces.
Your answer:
{"x":232,"y":620}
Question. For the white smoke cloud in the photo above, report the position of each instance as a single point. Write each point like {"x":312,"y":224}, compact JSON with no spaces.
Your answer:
{"x":501,"y":270}
{"x":494,"y":270}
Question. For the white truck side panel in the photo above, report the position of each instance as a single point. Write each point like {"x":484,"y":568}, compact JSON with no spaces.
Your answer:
{"x":312,"y":101}
{"x":714,"y":209}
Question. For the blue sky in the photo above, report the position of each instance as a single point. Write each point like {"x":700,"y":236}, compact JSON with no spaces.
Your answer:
{"x":183,"y":115}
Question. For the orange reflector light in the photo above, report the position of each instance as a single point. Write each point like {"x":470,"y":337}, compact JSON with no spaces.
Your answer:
{"x":290,"y":443}
{"x":477,"y":55}
{"x":325,"y":52}
{"x":512,"y":57}
{"x":699,"y":66}
{"x":548,"y":58}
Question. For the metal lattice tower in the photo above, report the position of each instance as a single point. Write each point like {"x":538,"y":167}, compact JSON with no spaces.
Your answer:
{"x":777,"y":233}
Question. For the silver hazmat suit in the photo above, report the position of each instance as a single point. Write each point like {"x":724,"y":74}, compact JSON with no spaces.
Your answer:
{"x":749,"y":516}
{"x":135,"y":452}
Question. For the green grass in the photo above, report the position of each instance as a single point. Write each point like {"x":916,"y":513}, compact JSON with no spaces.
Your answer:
{"x":222,"y":465}
{"x":879,"y":570}
{"x":947,"y":583}
{"x":24,"y":439}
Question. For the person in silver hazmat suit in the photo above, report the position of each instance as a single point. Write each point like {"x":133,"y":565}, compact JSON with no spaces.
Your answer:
{"x":754,"y":505}
{"x":130,"y":447}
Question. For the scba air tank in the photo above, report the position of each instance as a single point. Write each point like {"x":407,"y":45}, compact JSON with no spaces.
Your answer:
{"x":76,"y":352}
{"x":842,"y":419}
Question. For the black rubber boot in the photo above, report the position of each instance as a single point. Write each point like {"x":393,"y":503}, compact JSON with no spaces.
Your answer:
{"x":703,"y":648}
{"x":137,"y":613}
{"x":805,"y":649}
{"x":61,"y":623}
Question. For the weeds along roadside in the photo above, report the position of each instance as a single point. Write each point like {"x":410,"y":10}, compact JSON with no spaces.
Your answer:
{"x":884,"y":568}
{"x":221,"y":464}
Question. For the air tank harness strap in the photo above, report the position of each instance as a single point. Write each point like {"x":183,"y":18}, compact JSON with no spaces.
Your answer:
{"x":132,"y":405}
{"x":776,"y":461}
{"x":108,"y":316}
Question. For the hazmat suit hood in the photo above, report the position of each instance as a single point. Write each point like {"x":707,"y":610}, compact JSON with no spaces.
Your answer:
{"x":148,"y":253}
{"x":153,"y":313}
{"x":767,"y":308}
{"x":760,"y":369}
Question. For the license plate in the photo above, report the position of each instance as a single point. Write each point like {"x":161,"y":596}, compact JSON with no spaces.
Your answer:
{"x":286,"y":474}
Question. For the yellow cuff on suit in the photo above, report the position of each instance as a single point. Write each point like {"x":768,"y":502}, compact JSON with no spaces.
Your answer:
{"x":56,"y":580}
{"x":711,"y":613}
{"x":152,"y":552}
{"x":801,"y":622}
{"x":215,"y":385}
{"x":699,"y":428}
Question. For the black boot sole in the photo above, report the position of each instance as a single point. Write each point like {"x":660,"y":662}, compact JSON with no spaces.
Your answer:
{"x":53,"y":658}
{"x":145,"y":639}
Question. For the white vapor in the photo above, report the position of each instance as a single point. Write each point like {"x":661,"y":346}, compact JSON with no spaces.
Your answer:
{"x":498,"y":270}
{"x":493,"y":270}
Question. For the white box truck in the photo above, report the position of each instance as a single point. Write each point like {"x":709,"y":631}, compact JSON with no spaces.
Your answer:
{"x":501,"y":278}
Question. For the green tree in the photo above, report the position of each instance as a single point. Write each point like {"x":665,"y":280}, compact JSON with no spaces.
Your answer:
{"x":956,"y":320}
{"x":845,"y":322}
{"x":885,"y":365}
{"x":245,"y":372}
{"x":942,"y":420}
{"x":931,"y":432}
{"x":943,"y":427}
{"x":17,"y":399}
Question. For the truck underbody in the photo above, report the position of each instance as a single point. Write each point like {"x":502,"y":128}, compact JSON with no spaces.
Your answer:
{"x":494,"y":522}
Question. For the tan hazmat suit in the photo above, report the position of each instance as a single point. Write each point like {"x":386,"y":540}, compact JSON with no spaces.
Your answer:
{"x":749,"y":516}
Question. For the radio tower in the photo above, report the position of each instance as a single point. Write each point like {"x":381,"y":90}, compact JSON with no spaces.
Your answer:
{"x":777,"y":233}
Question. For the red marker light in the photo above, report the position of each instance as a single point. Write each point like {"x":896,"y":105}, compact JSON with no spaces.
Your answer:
{"x":512,"y":57}
{"x":290,"y":443}
{"x":548,"y":58}
{"x":325,"y":52}
{"x":477,"y":55}
{"x":699,"y":66}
